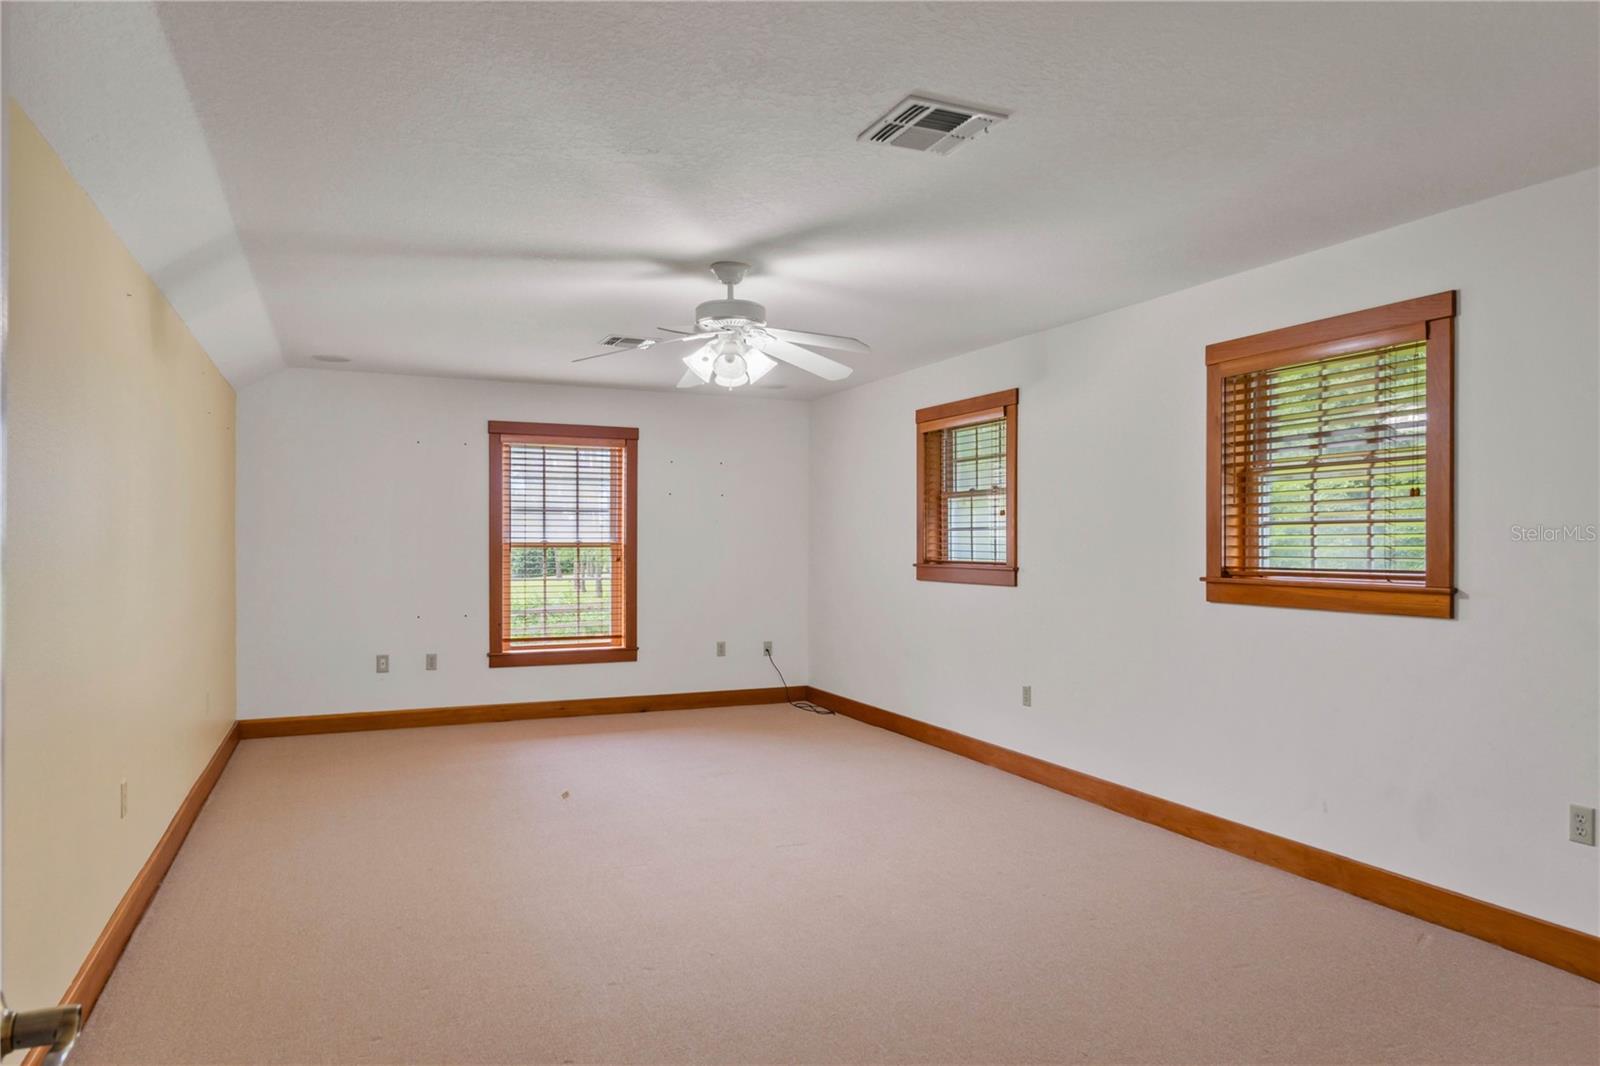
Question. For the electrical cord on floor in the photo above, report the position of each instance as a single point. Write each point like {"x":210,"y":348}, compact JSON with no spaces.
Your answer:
{"x":804,"y":705}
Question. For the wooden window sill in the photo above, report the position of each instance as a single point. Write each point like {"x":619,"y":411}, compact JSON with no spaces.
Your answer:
{"x":968,"y":573}
{"x":1333,"y":594}
{"x":563,"y":656}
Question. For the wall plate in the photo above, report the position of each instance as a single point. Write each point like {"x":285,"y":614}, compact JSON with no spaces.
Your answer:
{"x":1580,"y":825}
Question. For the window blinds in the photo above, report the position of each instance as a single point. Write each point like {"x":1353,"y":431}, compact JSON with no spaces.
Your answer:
{"x":1325,"y":466}
{"x":562,"y":557}
{"x":964,"y":470}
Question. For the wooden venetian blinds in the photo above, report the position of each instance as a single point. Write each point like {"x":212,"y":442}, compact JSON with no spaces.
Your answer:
{"x":1325,"y":466}
{"x":966,"y":474}
{"x":563,"y":525}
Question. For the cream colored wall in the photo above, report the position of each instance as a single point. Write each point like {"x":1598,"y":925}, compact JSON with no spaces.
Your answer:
{"x":119,"y":568}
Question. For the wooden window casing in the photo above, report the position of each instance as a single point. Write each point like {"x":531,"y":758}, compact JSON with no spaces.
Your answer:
{"x":563,"y":538}
{"x":1329,"y":457}
{"x":967,"y":491}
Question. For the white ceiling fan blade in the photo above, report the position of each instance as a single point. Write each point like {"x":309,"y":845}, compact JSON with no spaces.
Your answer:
{"x":820,"y":340}
{"x":653,"y":342}
{"x":803,"y":358}
{"x":689,"y":380}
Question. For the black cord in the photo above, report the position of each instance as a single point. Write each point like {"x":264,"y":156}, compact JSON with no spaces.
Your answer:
{"x":804,"y":705}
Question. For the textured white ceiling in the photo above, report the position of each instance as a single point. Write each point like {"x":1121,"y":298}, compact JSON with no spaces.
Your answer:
{"x":489,"y":189}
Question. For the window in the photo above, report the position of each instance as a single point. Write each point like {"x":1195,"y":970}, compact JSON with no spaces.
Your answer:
{"x":967,"y":491}
{"x":562,"y":533}
{"x":1329,"y":463}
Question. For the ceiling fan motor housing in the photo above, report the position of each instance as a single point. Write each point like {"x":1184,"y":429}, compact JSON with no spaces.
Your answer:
{"x":729,"y":314}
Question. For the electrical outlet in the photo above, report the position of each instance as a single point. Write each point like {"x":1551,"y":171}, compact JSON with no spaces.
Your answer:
{"x":1580,"y":825}
{"x":766,"y":648}
{"x":430,"y":661}
{"x":122,"y":799}
{"x":1027,"y":695}
{"x":722,"y":648}
{"x":383,"y":664}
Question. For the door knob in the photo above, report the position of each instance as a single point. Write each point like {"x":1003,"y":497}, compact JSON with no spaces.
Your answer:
{"x":55,"y":1028}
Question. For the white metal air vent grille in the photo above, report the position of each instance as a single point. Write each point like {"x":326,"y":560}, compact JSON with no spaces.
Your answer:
{"x":924,"y":124}
{"x":615,"y":341}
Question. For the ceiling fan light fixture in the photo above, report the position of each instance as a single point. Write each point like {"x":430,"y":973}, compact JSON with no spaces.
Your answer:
{"x":730,"y":370}
{"x":700,"y":363}
{"x":760,"y":364}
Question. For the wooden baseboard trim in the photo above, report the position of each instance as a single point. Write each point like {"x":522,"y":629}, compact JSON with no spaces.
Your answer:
{"x":1569,"y":949}
{"x":92,"y":976}
{"x":254,"y":728}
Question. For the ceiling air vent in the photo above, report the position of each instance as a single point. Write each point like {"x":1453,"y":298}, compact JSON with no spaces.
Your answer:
{"x":615,"y":341}
{"x":924,"y":124}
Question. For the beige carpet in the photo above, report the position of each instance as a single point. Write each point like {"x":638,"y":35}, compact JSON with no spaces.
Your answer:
{"x":762,"y":885}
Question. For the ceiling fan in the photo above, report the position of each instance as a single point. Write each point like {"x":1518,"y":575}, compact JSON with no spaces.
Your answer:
{"x":735,"y":346}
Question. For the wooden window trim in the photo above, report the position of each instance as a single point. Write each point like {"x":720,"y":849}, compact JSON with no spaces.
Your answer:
{"x":568,"y":434}
{"x":949,"y":416}
{"x":1430,"y":594}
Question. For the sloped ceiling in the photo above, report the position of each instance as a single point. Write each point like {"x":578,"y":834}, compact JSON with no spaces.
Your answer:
{"x":100,"y":83}
{"x":487,"y":190}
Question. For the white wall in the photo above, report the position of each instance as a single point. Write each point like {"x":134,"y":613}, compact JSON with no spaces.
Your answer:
{"x":1446,"y":750}
{"x":363,"y":529}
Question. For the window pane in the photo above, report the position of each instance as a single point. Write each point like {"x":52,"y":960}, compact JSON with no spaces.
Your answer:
{"x":1325,"y":464}
{"x":563,"y":523}
{"x":973,"y":494}
{"x":561,"y":592}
